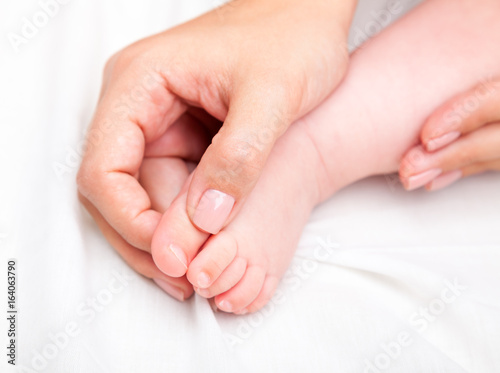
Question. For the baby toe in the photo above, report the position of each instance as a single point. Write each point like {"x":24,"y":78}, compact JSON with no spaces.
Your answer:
{"x":244,"y":292}
{"x":176,"y":240}
{"x":228,"y":278}
{"x":265,"y":295}
{"x":217,"y":255}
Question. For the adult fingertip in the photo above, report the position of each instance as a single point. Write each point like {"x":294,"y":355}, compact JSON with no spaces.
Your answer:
{"x":442,"y":141}
{"x":170,"y":289}
{"x":445,"y":180}
{"x":213,"y":210}
{"x":225,"y":176}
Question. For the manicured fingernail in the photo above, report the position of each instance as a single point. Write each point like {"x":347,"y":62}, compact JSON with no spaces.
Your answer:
{"x":441,"y":141}
{"x":213,"y":211}
{"x":416,"y":181}
{"x":179,"y":254}
{"x":170,"y":289}
{"x":203,"y":280}
{"x":445,"y":180}
{"x":225,"y":306}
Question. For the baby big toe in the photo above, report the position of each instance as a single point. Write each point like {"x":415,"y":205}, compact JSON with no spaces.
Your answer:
{"x":176,"y":240}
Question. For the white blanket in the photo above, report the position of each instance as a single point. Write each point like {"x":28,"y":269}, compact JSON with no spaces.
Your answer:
{"x":383,"y":280}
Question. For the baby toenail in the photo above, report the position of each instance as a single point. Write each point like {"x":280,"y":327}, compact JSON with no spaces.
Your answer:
{"x":179,"y":254}
{"x":224,"y":305}
{"x":203,"y":280}
{"x":242,"y":312}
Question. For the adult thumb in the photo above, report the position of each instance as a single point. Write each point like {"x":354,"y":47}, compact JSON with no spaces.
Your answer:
{"x":233,"y":163}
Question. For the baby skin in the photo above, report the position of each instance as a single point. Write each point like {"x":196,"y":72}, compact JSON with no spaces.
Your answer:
{"x":364,"y":128}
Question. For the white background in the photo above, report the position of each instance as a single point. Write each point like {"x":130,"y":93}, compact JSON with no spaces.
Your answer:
{"x":390,"y":253}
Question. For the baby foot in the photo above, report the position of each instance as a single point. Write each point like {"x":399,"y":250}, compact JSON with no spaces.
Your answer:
{"x":242,"y":265}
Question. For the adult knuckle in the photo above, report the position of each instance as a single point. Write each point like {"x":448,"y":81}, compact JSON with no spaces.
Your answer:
{"x":84,"y":179}
{"x":81,"y":180}
{"x":123,"y":60}
{"x":241,"y":159}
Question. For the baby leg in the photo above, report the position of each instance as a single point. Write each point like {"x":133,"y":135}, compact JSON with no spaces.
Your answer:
{"x":364,"y":128}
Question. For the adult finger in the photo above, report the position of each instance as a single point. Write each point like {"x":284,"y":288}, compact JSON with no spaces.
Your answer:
{"x":481,"y":167}
{"x":462,"y":114}
{"x":162,"y":178}
{"x":232,"y":164}
{"x":140,"y":261}
{"x":136,"y":109}
{"x":187,"y":138}
{"x":420,"y":167}
{"x":451,"y":177}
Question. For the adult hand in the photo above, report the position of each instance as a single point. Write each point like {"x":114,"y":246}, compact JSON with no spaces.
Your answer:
{"x":256,"y":65}
{"x":162,"y":174}
{"x":459,"y":139}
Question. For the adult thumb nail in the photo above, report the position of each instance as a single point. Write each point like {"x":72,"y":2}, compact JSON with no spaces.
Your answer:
{"x":213,"y":210}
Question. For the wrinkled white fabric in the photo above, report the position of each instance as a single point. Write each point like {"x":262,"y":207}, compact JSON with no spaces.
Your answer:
{"x":383,"y":280}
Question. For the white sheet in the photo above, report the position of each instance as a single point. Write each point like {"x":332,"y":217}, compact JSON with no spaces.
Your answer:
{"x":369,"y":258}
